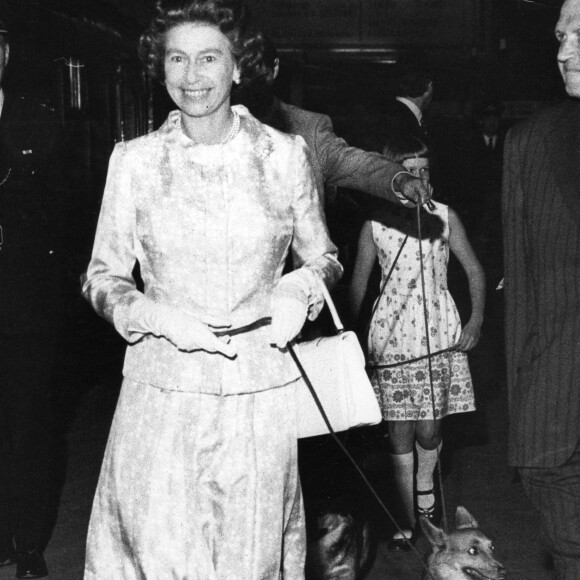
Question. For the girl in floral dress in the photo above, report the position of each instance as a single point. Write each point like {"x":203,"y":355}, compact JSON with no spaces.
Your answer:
{"x":411,"y":406}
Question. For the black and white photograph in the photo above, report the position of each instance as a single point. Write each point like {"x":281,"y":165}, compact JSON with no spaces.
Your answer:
{"x":290,"y":289}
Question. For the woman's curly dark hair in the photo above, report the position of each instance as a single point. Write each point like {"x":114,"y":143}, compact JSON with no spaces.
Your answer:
{"x":229,"y":16}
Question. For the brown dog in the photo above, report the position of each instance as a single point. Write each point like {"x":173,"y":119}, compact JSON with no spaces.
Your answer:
{"x":340,"y":548}
{"x":463,"y":554}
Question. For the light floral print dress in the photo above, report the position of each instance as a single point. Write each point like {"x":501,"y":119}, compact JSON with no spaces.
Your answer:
{"x":397,"y":331}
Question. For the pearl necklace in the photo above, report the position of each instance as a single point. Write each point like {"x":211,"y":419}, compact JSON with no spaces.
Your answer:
{"x":230,"y":134}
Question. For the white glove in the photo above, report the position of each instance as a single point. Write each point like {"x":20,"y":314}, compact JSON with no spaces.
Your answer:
{"x":288,"y":316}
{"x":186,"y":331}
{"x":289,"y":307}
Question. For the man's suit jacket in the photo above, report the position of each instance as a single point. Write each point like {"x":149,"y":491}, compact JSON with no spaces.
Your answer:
{"x":541,"y":213}
{"x":477,"y":180}
{"x":477,"y":155}
{"x":333,"y":160}
{"x":30,"y":218}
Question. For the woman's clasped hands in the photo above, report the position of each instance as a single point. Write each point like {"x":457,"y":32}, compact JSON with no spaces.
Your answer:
{"x":188,"y":332}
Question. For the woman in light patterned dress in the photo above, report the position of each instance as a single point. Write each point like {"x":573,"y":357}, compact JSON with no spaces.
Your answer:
{"x":412,"y":408}
{"x":200,"y":476}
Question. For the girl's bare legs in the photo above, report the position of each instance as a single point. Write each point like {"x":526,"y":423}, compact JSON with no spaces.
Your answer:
{"x":401,"y":440}
{"x":425,"y":436}
{"x":428,"y":445}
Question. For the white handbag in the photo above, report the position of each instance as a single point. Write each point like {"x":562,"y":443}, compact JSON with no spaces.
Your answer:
{"x":335,"y":368}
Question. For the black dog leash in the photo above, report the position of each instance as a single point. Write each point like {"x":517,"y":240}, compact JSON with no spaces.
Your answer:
{"x":246,"y":328}
{"x":410,"y":360}
{"x":265,"y":321}
{"x":429,"y":355}
{"x":382,"y":290}
{"x":352,"y":460}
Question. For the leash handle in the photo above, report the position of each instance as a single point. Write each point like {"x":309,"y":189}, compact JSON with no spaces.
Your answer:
{"x":266,"y":320}
{"x":246,"y":328}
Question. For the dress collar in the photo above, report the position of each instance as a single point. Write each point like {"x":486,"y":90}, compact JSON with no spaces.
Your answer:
{"x":172,"y":130}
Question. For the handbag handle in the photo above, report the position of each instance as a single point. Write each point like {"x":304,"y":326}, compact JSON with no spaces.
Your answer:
{"x":331,"y":307}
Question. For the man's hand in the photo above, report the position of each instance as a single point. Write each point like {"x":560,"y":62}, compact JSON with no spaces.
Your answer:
{"x":412,"y":188}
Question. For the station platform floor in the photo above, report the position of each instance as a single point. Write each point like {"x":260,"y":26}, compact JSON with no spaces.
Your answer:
{"x":476,"y":475}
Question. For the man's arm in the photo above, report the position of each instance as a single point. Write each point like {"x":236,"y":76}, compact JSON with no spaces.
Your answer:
{"x":346,"y":166}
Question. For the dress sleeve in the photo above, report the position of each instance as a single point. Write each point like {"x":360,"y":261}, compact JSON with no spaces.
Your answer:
{"x":110,"y":287}
{"x":311,"y":245}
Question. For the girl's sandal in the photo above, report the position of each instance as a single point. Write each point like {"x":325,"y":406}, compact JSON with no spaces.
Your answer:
{"x":429,"y":512}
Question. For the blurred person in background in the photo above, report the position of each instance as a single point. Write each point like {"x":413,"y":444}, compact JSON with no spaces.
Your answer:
{"x":32,"y":192}
{"x":404,"y":113}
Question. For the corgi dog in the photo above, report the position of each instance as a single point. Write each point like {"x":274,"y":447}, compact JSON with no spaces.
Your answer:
{"x":339,"y":549}
{"x":466,"y":553}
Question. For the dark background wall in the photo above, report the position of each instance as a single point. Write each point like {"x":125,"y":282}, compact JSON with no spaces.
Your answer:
{"x":501,"y":46}
{"x":338,"y":57}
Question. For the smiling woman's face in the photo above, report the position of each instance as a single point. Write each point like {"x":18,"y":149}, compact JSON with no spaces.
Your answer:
{"x":199,"y":69}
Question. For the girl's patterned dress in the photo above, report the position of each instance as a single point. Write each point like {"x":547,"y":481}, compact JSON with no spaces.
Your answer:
{"x":397,"y":332}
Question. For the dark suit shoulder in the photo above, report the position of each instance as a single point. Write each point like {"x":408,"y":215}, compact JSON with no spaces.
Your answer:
{"x":398,"y":109}
{"x":393,"y":107}
{"x":400,"y":121}
{"x":543,"y":122}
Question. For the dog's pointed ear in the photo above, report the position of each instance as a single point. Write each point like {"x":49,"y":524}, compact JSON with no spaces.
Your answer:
{"x":436,"y":536}
{"x":463,"y":519}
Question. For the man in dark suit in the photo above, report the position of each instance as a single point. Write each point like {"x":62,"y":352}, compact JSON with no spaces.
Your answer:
{"x":30,"y":318}
{"x":404,"y":114}
{"x":541,"y":211}
{"x":413,"y":94}
{"x":335,"y":163}
{"x":478,"y":175}
{"x":482,"y":148}
{"x":479,"y":166}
